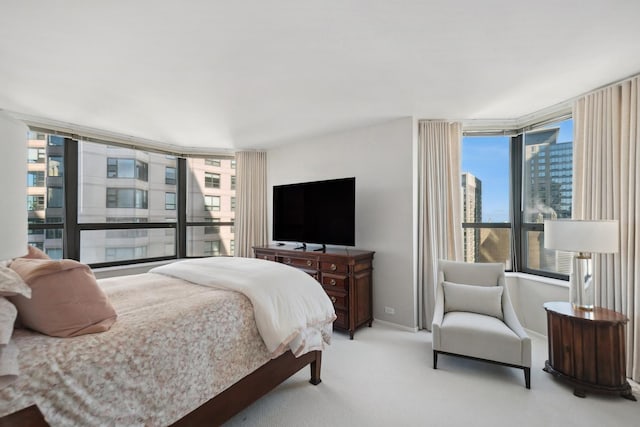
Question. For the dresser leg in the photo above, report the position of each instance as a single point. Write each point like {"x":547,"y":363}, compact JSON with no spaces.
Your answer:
{"x":579,"y":393}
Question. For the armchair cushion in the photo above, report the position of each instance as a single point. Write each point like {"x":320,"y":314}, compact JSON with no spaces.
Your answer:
{"x":485,"y":300}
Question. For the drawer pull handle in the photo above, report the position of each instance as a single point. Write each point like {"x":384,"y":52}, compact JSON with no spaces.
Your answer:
{"x":287,"y":260}
{"x":332,"y":282}
{"x":333,"y":267}
{"x":333,"y":300}
{"x":309,"y":262}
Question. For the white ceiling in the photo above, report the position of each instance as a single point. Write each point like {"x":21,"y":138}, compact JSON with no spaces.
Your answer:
{"x":252,"y":73}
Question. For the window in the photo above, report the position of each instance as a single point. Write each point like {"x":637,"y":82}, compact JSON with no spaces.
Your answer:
{"x":35,"y":155}
{"x":111,"y":182}
{"x":170,"y":175}
{"x":117,"y":254}
{"x":54,"y":253}
{"x":546,"y":194}
{"x":212,"y":248}
{"x":35,"y":179}
{"x":55,"y":140}
{"x":233,"y":204}
{"x":214,"y":229}
{"x":542,"y":160}
{"x":170,"y":201}
{"x":211,"y":180}
{"x":485,"y":194}
{"x":233,"y":164}
{"x":211,"y":203}
{"x":56,"y":166}
{"x":127,"y":168}
{"x":127,"y":198}
{"x":35,"y":203}
{"x":233,"y":182}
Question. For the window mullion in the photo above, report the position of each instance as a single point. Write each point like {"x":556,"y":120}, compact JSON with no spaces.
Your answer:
{"x":71,"y":229}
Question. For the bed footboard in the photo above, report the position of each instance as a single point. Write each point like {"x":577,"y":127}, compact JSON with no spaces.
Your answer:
{"x":222,"y":407}
{"x":249,"y":389}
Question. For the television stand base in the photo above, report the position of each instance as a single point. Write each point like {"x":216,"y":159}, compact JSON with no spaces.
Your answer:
{"x":322,"y":249}
{"x":302,"y":246}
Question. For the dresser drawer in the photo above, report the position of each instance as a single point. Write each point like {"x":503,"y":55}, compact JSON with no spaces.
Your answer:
{"x":335,"y":281}
{"x":307,"y":263}
{"x":334,"y":267}
{"x":338,"y":299}
{"x":266,"y":256}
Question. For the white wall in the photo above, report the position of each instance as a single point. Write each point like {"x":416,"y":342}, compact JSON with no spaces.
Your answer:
{"x":529,"y":293}
{"x":381,"y":159}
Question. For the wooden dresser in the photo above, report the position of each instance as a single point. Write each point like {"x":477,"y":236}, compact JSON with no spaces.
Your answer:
{"x":587,"y":349}
{"x":345,"y":274}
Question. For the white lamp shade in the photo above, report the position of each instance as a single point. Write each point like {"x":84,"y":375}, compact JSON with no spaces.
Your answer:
{"x":13,"y":187}
{"x":598,"y":236}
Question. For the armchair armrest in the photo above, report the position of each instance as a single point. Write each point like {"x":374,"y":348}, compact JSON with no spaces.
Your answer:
{"x":511,"y":320}
{"x":438,"y":315}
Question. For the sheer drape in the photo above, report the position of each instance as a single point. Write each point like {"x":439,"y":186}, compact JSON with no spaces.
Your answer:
{"x":607,"y":186}
{"x":251,"y":202}
{"x":439,"y":211}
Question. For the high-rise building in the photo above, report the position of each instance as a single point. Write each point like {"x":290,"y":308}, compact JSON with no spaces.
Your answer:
{"x":548,"y":176}
{"x":472,"y":213}
{"x":122,"y":185}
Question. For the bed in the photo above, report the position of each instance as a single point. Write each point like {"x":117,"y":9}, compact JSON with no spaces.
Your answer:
{"x":180,"y":352}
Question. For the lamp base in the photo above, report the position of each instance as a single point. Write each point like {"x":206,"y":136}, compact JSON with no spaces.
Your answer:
{"x":581,"y":292}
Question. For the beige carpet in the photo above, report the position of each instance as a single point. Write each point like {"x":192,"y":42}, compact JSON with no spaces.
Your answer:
{"x":384,"y":377}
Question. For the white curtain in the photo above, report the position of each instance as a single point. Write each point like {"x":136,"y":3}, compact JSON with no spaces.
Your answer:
{"x":607,"y":186}
{"x":251,"y":202}
{"x":439,"y":209}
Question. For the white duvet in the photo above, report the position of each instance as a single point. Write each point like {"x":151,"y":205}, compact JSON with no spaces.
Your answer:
{"x":291,"y":309}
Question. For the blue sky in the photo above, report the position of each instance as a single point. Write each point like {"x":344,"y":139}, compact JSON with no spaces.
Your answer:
{"x":487,"y":157}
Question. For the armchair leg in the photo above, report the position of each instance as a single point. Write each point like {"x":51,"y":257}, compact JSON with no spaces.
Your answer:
{"x":435,"y":359}
{"x":527,"y":377}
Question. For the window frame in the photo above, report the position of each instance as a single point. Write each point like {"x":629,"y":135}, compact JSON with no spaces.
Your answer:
{"x":72,"y":229}
{"x":519,"y":228}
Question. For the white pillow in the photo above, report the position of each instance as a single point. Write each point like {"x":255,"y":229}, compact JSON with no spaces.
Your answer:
{"x":485,"y":300}
{"x":11,"y":284}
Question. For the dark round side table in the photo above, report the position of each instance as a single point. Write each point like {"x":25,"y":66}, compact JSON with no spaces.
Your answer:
{"x":587,"y":349}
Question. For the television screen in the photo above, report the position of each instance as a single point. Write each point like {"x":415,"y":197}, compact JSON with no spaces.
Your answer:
{"x":315,"y":212}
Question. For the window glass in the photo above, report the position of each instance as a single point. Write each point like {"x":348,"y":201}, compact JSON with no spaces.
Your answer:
{"x":45,"y":189}
{"x":548,"y":173}
{"x":547,"y":187}
{"x":120,"y":245}
{"x":170,"y":201}
{"x":212,"y":203}
{"x":55,"y":166}
{"x":211,"y":180}
{"x":35,"y":178}
{"x":133,"y":181}
{"x":170,"y":175}
{"x":486,"y":199}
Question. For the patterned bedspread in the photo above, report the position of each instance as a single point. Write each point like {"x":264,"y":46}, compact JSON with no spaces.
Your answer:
{"x":175,"y":346}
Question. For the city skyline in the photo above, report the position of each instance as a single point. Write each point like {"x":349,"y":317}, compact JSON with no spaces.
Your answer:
{"x":487,"y":158}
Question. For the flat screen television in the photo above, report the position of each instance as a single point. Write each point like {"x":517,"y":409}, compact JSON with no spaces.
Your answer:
{"x":321,"y":212}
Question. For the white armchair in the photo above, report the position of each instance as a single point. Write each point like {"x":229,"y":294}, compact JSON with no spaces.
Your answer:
{"x":474,"y":318}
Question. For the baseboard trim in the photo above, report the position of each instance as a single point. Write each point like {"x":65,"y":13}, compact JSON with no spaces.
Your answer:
{"x":396,"y":325}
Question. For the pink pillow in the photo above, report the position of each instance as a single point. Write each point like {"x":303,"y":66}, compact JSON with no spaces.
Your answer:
{"x":66,"y":300}
{"x":35,"y":253}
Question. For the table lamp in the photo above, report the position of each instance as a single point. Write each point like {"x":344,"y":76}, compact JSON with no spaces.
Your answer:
{"x":584,"y":237}
{"x":13,"y":188}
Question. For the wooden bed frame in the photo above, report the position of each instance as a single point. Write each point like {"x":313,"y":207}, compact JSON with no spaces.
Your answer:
{"x":223,"y":406}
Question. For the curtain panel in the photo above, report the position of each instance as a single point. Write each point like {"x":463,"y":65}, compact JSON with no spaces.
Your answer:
{"x":439,"y":209}
{"x":251,"y":202}
{"x":606,"y":185}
